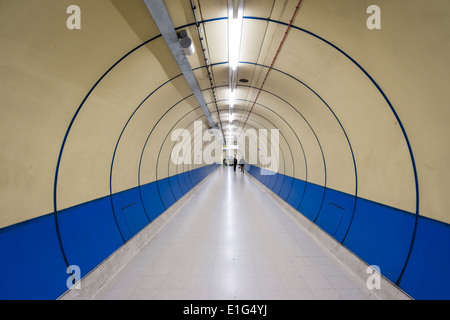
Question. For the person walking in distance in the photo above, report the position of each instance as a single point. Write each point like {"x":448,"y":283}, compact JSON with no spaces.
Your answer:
{"x":241,"y":164}
{"x":235,"y":163}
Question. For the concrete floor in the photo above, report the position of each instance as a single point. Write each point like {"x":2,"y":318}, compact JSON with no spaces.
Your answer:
{"x":232,"y":241}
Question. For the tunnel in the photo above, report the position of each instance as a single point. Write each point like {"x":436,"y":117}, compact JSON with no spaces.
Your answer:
{"x":97,"y":95}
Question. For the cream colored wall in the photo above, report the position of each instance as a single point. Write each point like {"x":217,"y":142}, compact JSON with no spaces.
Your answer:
{"x":92,"y":140}
{"x":144,"y":122}
{"x":380,"y":151}
{"x":46,"y":71}
{"x":408,"y":59}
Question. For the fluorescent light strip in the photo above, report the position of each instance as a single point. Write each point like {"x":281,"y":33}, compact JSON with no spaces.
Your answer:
{"x":234,"y":35}
{"x":231,"y":98}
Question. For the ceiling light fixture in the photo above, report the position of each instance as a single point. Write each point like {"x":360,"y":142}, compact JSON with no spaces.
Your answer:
{"x":235,"y":18}
{"x":235,"y":21}
{"x":231,"y":98}
{"x":186,"y":43}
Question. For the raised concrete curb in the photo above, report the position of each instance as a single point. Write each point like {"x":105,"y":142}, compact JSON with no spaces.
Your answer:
{"x":356,"y":266}
{"x":94,"y":280}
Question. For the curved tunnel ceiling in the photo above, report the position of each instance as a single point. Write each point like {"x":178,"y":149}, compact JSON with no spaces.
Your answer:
{"x":89,"y":113}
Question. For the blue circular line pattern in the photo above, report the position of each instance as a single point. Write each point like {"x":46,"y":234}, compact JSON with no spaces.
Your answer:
{"x":280,"y":71}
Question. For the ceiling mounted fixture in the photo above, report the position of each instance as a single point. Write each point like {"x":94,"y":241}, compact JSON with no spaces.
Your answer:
{"x":202,"y":37}
{"x":235,"y":19}
{"x":273,"y":62}
{"x":186,"y":43}
{"x":161,"y":17}
{"x":231,"y":97}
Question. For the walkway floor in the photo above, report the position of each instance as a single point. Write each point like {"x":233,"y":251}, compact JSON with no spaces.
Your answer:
{"x":233,"y":241}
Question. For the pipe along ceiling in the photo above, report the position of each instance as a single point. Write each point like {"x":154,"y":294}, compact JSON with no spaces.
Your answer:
{"x":91,"y":95}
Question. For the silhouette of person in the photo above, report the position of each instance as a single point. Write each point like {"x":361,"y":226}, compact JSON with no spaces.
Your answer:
{"x":241,"y":164}
{"x":235,"y":163}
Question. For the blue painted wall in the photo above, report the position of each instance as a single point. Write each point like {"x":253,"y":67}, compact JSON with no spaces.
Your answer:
{"x":380,"y":235}
{"x":32,"y":261}
{"x":33,"y":265}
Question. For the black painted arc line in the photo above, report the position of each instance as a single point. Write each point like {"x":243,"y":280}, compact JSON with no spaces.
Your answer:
{"x":325,"y":188}
{"x":130,"y":118}
{"x":340,"y":124}
{"x":55,"y":206}
{"x":282,"y":152}
{"x":157,"y":161}
{"x":145,"y":144}
{"x":73,"y":119}
{"x":194,"y":137}
{"x":211,"y":77}
{"x":274,"y":58}
{"x":282,"y":135}
{"x":220,"y":19}
{"x":120,"y":137}
{"x":159,"y":153}
{"x":298,"y":139}
{"x":184,"y":162}
{"x":128,"y":205}
{"x":184,"y":141}
{"x":140,"y":193}
{"x":297,"y":79}
{"x":271,"y":110}
{"x":140,"y":160}
{"x":165,"y":139}
{"x":58,"y":163}
{"x":309,"y":125}
{"x":393,"y":111}
{"x":398,"y":119}
{"x":323,"y":197}
{"x":266,"y":137}
{"x":290,"y":150}
{"x":262,"y":44}
{"x":348,"y":141}
{"x":163,"y":142}
{"x":402,"y":129}
{"x":320,"y":146}
{"x":190,"y":167}
{"x":148,"y":139}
